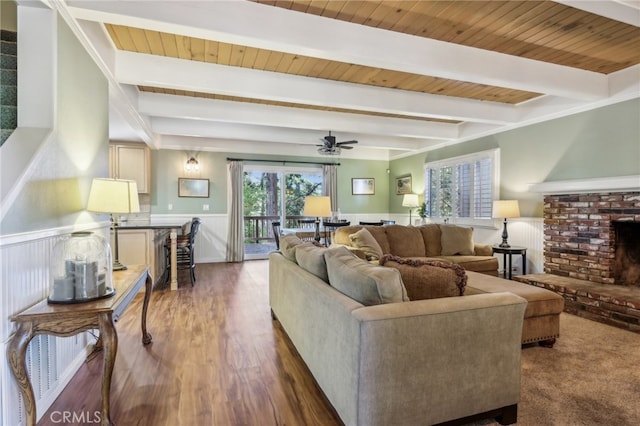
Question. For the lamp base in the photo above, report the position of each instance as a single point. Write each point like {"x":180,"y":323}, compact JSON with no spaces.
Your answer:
{"x":316,"y":236}
{"x":505,"y":236}
{"x":117,"y":266}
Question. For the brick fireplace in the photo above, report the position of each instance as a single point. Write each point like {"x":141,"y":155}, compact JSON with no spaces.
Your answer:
{"x":592,"y":251}
{"x":580,"y":233}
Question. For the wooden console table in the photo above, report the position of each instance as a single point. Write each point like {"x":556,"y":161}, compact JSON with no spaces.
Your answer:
{"x":68,"y":320}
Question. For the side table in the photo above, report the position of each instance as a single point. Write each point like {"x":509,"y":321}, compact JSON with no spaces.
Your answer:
{"x":510,"y":251}
{"x":68,"y":320}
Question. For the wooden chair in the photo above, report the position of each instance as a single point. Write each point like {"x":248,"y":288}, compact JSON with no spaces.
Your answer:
{"x":330,"y":227}
{"x":185,"y":251}
{"x":275,"y":225}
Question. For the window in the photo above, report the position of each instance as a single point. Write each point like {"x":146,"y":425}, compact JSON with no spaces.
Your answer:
{"x":462,"y":187}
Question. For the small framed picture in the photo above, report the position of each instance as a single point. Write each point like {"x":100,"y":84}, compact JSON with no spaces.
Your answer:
{"x":363,"y":186}
{"x":403,"y":185}
{"x":198,"y":188}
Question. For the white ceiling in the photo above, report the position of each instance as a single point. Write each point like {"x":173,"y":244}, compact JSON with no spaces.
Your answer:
{"x":198,"y":124}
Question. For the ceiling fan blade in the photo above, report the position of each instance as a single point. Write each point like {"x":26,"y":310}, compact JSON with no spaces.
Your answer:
{"x":346,"y":142}
{"x":345,"y":147}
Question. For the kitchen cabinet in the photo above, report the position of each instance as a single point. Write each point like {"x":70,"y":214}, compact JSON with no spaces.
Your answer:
{"x":142,"y":247}
{"x":130,"y":160}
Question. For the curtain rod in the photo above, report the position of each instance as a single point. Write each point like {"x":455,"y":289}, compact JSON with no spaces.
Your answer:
{"x":282,"y":161}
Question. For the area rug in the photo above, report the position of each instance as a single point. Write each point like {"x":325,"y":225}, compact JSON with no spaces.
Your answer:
{"x":590,"y":377}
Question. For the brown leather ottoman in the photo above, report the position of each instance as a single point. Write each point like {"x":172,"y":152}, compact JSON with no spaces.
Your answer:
{"x":542,"y":316}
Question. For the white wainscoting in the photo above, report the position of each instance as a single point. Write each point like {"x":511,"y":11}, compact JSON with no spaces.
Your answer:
{"x":51,"y":361}
{"x":523,"y":231}
{"x":528,"y":232}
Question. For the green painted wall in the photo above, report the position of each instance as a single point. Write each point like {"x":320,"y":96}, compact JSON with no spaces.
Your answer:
{"x":168,"y":166}
{"x":57,"y":190}
{"x":599,"y":143}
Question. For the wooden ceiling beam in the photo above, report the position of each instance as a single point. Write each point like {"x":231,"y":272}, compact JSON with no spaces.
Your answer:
{"x":185,"y":107}
{"x":271,"y":28}
{"x":152,"y":70}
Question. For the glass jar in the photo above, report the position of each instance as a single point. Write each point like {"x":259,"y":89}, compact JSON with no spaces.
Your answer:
{"x":81,"y":269}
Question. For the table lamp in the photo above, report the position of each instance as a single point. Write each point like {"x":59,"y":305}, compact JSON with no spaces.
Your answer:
{"x":318,"y":206}
{"x":505,"y":209}
{"x":411,"y":201}
{"x":114,"y":196}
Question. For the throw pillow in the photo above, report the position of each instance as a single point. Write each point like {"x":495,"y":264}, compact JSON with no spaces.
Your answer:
{"x":288,"y":244}
{"x":428,"y":279}
{"x":367,"y":243}
{"x":361,"y":281}
{"x":456,"y":240}
{"x":311,"y":259}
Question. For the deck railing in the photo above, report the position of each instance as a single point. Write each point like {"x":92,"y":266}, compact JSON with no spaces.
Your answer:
{"x":258,"y":228}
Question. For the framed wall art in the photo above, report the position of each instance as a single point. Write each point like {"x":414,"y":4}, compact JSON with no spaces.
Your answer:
{"x":363,"y":186}
{"x":198,"y":188}
{"x":403,"y":185}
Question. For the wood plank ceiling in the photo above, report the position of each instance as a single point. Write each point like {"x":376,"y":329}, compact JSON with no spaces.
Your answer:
{"x":544,"y":31}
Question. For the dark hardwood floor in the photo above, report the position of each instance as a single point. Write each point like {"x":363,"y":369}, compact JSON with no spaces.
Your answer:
{"x":217,"y":358}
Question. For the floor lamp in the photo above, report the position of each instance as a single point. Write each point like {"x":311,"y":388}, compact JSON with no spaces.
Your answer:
{"x":505,"y":209}
{"x":114,"y":196}
{"x":411,"y":201}
{"x":319,"y":207}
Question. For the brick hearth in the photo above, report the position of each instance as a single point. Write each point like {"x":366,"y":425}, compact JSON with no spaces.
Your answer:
{"x":615,"y":305}
{"x":579,"y":256}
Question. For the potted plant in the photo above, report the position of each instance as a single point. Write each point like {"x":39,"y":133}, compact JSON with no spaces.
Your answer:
{"x":422,"y":211}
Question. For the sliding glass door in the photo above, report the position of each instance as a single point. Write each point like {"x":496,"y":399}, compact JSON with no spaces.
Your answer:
{"x":274,"y":194}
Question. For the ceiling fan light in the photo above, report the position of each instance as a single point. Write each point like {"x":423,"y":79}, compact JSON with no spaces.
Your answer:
{"x":329,"y":151}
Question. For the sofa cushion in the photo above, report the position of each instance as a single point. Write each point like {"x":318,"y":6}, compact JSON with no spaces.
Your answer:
{"x":474,"y":263}
{"x":428,"y":279}
{"x":405,"y":241}
{"x":288,"y":244}
{"x":456,"y":240}
{"x":365,"y":241}
{"x":431,"y":236}
{"x":540,"y":301}
{"x":361,"y":281}
{"x":311,"y":259}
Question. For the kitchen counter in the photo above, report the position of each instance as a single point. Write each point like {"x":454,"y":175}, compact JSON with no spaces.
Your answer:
{"x":143,"y":241}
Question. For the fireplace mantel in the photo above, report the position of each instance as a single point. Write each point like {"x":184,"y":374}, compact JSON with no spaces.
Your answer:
{"x":579,"y":186}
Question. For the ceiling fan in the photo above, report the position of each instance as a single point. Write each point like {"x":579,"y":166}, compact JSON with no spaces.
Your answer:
{"x":331,"y":147}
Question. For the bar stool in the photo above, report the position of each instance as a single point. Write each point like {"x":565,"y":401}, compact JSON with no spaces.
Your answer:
{"x":185,"y":252}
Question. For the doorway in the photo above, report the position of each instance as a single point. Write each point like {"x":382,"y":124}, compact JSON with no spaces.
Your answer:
{"x":274,"y":193}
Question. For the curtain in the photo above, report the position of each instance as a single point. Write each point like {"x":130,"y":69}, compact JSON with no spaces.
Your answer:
{"x":235,"y":238}
{"x":330,"y":184}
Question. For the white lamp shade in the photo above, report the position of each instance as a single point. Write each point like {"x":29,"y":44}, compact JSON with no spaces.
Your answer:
{"x":113,"y":196}
{"x":317,"y":206}
{"x":506,"y":208}
{"x":410,"y":200}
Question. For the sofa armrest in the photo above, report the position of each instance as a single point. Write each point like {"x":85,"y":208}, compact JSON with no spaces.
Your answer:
{"x":482,"y":250}
{"x":415,"y":353}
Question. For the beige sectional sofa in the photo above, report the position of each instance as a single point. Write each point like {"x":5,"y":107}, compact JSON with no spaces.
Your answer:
{"x":443,"y":242}
{"x":449,"y":243}
{"x":389,"y":361}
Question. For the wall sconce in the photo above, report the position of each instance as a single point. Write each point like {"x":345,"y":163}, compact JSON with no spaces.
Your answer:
{"x":192,"y":165}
